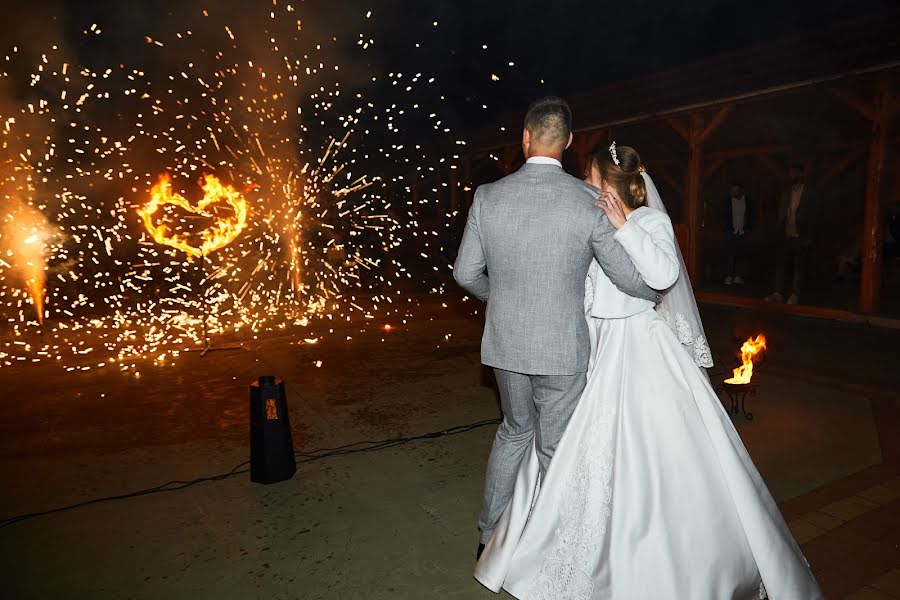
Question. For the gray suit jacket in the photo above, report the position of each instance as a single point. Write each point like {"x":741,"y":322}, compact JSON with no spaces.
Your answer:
{"x":526,"y":250}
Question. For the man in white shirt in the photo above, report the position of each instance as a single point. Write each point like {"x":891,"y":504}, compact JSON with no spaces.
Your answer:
{"x":736,"y":224}
{"x":796,"y":226}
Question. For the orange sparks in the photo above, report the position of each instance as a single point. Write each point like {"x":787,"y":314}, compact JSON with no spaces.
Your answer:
{"x":36,"y":282}
{"x":220,"y":234}
{"x":749,"y":350}
{"x":26,"y":235}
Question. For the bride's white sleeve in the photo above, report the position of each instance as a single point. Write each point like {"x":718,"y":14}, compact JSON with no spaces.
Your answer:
{"x":650,"y":242}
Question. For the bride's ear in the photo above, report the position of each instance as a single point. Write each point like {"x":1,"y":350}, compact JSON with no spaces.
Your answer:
{"x":569,"y":143}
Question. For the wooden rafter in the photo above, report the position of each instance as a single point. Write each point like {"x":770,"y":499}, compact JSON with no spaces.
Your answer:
{"x":860,"y":105}
{"x":666,"y":175}
{"x":776,"y":170}
{"x":771,"y":149}
{"x":839,"y":167}
{"x":713,"y":166}
{"x":680,"y":128}
{"x":715,"y":123}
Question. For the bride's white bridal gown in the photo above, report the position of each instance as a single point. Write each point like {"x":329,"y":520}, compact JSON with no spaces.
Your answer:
{"x":651,"y":494}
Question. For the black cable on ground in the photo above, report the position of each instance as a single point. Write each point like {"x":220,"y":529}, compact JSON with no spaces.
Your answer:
{"x":303,"y":457}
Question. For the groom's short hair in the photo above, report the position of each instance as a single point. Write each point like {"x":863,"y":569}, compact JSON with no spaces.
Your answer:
{"x":549,"y":121}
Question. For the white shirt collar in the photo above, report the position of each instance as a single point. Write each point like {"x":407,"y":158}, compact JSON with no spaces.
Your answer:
{"x":544,"y":160}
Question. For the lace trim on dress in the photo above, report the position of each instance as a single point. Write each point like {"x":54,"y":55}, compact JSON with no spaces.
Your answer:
{"x":566,"y":573}
{"x":696,"y":344}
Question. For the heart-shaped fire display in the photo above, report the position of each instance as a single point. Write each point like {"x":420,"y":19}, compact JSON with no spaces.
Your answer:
{"x":223,"y":231}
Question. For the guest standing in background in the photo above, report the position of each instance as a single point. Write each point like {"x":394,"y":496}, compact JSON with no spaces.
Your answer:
{"x":796,"y":224}
{"x":736,"y":220}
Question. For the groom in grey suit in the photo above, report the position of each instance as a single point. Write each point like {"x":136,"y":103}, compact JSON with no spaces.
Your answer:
{"x":526,"y":251}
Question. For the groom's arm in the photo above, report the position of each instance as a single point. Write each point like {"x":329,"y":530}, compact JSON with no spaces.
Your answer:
{"x":616,"y":263}
{"x":469,"y":270}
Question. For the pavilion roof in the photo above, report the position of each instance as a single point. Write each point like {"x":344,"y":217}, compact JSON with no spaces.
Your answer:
{"x":839,"y":51}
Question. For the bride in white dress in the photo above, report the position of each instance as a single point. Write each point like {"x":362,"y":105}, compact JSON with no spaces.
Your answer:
{"x":651,"y":494}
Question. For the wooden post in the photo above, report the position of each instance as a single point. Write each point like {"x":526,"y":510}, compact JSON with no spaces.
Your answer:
{"x":692,"y":178}
{"x":879,"y":112}
{"x":873,"y":226}
{"x":695,"y":132}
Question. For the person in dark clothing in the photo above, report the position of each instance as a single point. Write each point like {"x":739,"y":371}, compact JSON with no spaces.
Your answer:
{"x":737,"y":222}
{"x":796,"y":227}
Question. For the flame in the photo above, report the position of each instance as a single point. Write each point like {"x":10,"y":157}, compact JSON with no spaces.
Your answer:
{"x":26,"y":237}
{"x":749,"y":350}
{"x":223,"y":232}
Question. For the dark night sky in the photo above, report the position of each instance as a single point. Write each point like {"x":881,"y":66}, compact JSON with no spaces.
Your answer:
{"x":571,"y":45}
{"x":576,"y":45}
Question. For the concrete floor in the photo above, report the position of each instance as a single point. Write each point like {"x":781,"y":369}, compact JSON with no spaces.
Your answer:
{"x":397,"y":523}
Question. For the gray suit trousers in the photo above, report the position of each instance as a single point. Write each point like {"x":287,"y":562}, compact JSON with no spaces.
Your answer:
{"x":534,"y":407}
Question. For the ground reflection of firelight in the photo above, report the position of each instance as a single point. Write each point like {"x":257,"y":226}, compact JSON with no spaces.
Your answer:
{"x":131,"y":196}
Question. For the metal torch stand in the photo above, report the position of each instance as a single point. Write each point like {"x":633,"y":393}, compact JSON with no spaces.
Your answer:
{"x":738,"y":394}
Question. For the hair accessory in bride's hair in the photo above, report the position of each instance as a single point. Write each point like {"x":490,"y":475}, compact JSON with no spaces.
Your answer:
{"x":612,"y":152}
{"x":642,"y":169}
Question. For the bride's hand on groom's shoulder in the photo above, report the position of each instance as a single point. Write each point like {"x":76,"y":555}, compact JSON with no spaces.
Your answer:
{"x":612,"y":206}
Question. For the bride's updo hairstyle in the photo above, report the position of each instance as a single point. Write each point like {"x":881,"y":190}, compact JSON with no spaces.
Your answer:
{"x":624,"y":177}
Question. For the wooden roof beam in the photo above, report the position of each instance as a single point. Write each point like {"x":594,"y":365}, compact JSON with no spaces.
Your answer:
{"x":860,"y":105}
{"x":787,"y":148}
{"x":694,"y":132}
{"x":776,"y":170}
{"x":680,"y":128}
{"x":838,"y":168}
{"x":715,"y":123}
{"x":666,"y":176}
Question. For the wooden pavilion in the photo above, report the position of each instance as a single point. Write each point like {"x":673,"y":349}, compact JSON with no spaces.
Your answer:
{"x":827,"y":99}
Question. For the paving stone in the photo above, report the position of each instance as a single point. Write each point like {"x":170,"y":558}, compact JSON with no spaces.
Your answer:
{"x":822,"y":520}
{"x":883,"y":493}
{"x":848,"y":508}
{"x":889,"y":582}
{"x":870,"y":593}
{"x":804,"y":531}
